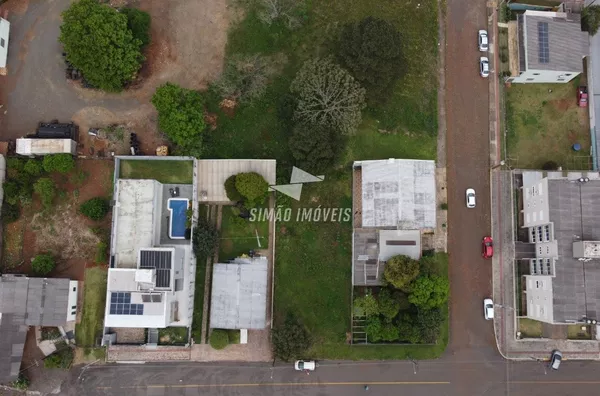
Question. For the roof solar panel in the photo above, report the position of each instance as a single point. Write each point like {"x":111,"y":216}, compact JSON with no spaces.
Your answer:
{"x":543,"y":43}
{"x":120,"y":304}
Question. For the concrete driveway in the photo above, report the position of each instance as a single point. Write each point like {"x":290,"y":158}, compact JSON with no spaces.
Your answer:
{"x":35,"y":88}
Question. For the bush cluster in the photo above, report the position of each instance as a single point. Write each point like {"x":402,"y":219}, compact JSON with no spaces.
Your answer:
{"x":219,"y":338}
{"x":43,"y":264}
{"x":95,"y":208}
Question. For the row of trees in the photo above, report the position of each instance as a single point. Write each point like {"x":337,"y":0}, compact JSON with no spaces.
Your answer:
{"x":409,"y":308}
{"x":104,"y":43}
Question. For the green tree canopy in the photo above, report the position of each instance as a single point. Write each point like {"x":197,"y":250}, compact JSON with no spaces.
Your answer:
{"x":366,"y":305}
{"x":327,"y":95}
{"x":180,"y":114}
{"x":590,"y":19}
{"x":232,"y":193}
{"x":46,"y":189}
{"x":205,"y":238}
{"x":95,"y":208}
{"x":316,"y":148}
{"x":429,"y":322}
{"x":98,"y":42}
{"x":371,"y":50}
{"x":290,"y":340}
{"x":33,"y":167}
{"x":408,"y":331}
{"x":43,"y":264}
{"x":138,"y":22}
{"x":388,"y":305}
{"x":252,"y":187}
{"x":429,"y":292}
{"x":378,"y":330}
{"x":400,"y":270}
{"x":61,"y":163}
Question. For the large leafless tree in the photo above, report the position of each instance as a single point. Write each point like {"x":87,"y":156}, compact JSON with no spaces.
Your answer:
{"x":328,"y":96}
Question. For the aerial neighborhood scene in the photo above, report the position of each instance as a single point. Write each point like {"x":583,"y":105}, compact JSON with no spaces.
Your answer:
{"x":333,"y":197}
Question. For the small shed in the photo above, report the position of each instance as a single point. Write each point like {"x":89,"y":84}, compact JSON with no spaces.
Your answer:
{"x":27,"y":146}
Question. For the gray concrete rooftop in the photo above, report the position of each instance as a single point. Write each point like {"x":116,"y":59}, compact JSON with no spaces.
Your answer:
{"x":576,"y":216}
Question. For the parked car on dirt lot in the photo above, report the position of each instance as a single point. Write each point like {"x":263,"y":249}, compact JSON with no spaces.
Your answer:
{"x":482,"y":41}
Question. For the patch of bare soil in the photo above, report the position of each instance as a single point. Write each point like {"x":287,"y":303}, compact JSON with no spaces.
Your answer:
{"x":64,"y":233}
{"x":15,"y":6}
{"x":563,"y":104}
{"x":142,"y":121}
{"x":188,"y":43}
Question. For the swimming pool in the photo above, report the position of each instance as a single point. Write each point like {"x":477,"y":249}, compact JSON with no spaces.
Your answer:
{"x":178,"y":219}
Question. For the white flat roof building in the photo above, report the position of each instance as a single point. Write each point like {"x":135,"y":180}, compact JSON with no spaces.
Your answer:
{"x":26,"y":146}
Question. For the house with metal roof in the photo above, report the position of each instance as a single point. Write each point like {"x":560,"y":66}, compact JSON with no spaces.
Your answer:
{"x":551,"y":47}
{"x":26,"y":302}
{"x":152,"y":266}
{"x":394,"y":202}
{"x":239,"y":294}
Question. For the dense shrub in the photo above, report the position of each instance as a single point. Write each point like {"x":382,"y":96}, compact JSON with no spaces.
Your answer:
{"x":429,"y":291}
{"x":12,"y":192}
{"x":33,"y":167}
{"x":46,"y":189}
{"x":62,"y":163}
{"x":43,"y":264}
{"x":219,"y":338}
{"x":590,"y":19}
{"x":232,"y":193}
{"x":95,"y":208}
{"x":252,"y":187}
{"x":316,"y":148}
{"x":290,"y":340}
{"x":138,"y":22}
{"x":205,"y":238}
{"x":180,"y":115}
{"x":10,"y":213}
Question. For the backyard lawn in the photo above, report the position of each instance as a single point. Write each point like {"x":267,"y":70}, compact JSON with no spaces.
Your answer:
{"x":239,"y":236}
{"x":94,"y":297}
{"x":175,"y":172}
{"x":543,"y":126}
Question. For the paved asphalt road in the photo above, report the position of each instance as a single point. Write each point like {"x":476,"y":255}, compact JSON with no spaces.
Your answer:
{"x":439,"y":378}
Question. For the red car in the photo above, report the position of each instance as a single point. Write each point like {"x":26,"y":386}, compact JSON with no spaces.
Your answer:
{"x":582,"y":96}
{"x":487,"y":246}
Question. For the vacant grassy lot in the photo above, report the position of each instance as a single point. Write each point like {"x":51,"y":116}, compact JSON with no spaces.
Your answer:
{"x":530,"y":328}
{"x":544,"y":125}
{"x":94,"y":298}
{"x":239,"y":236}
{"x":175,"y":172}
{"x":313,"y":272}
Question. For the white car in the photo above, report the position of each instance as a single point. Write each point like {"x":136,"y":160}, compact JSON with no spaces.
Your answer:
{"x":488,"y":309}
{"x":470,"y":198}
{"x":484,"y":67}
{"x":305,"y":365}
{"x":483,"y":41}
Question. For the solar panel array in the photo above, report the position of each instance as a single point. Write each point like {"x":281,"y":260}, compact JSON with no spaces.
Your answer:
{"x":159,"y":260}
{"x":544,"y":48}
{"x":120,"y":304}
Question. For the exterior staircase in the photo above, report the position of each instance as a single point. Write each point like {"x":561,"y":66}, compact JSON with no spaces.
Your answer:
{"x":153,"y":336}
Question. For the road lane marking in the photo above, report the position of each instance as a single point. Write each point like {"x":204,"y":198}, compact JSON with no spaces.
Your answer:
{"x":283,"y":384}
{"x":555,"y":382}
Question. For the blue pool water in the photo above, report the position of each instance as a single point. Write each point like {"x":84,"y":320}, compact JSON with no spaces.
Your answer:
{"x":178,"y":208}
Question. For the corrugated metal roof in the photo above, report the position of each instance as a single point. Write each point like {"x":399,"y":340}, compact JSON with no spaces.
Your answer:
{"x":239,"y":294}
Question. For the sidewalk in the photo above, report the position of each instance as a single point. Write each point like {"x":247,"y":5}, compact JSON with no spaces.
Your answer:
{"x":503,"y":271}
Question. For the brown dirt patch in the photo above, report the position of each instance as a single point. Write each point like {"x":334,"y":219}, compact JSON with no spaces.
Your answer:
{"x":563,"y":104}
{"x":61,"y":231}
{"x":15,"y":6}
